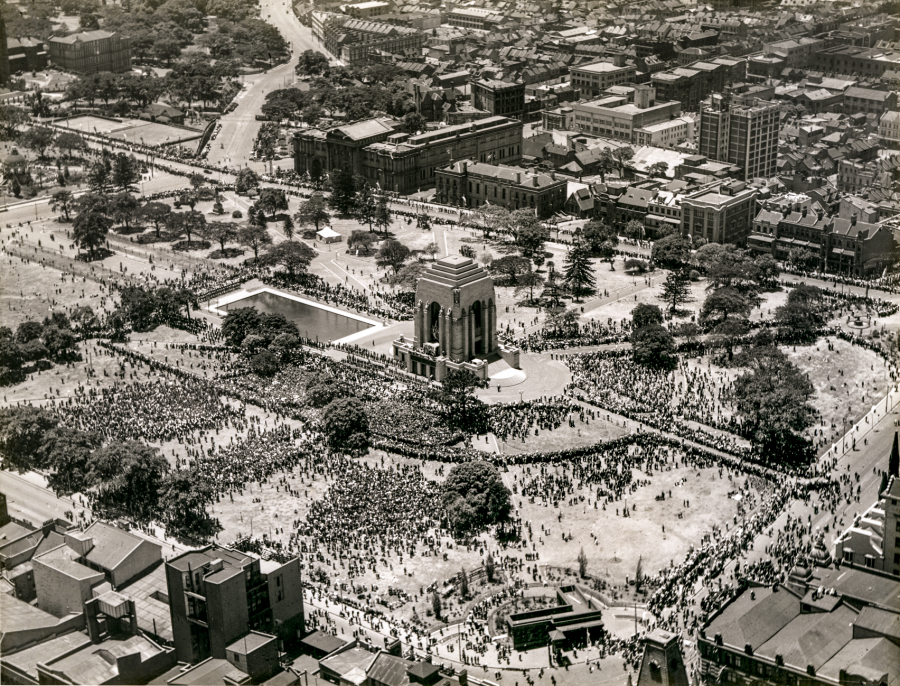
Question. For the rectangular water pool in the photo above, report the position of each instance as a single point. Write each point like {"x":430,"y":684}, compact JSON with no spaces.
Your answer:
{"x":312,"y":320}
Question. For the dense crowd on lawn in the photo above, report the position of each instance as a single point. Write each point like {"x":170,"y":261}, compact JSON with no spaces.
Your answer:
{"x":618,"y":384}
{"x":158,"y":410}
{"x":517,"y":420}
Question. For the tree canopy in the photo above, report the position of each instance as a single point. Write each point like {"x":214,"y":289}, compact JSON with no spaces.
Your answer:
{"x":474,"y":496}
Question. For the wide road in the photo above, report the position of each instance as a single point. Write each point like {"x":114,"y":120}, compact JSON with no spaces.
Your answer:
{"x":234,"y":144}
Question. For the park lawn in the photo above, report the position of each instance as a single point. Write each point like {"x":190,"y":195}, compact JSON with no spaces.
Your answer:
{"x":28,"y":290}
{"x":595,"y":431}
{"x":866,"y":379}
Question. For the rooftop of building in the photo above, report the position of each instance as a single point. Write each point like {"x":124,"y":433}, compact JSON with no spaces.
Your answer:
{"x":65,"y":560}
{"x":96,"y":663}
{"x":26,"y":660}
{"x":250,"y":642}
{"x":111,"y":545}
{"x":601,"y":67}
{"x":84,"y":36}
{"x":21,"y":616}
{"x":210,"y":671}
{"x":194,"y":559}
{"x":771,"y":622}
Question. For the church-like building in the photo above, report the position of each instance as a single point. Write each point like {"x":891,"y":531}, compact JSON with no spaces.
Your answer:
{"x":455,"y":322}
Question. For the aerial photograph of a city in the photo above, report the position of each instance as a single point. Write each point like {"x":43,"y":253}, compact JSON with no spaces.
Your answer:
{"x":320,"y":321}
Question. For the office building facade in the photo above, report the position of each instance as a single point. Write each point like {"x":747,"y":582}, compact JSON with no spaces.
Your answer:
{"x":743,"y":135}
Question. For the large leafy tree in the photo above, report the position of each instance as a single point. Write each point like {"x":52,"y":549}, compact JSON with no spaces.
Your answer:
{"x":62,"y":200}
{"x":644,"y":315}
{"x":255,"y":237}
{"x":365,"y":205}
{"x":360,"y":239}
{"x":343,"y":191}
{"x":272,"y":200}
{"x":671,"y":252}
{"x":653,"y":346}
{"x":346,"y":425}
{"x":392,"y":254}
{"x":23,"y":430}
{"x":220,"y":232}
{"x":125,"y":172}
{"x":596,"y":233}
{"x":67,"y":452}
{"x":127,"y":476}
{"x":474,"y":496}
{"x":723,"y":302}
{"x":530,"y":234}
{"x":510,"y":267}
{"x":125,"y":209}
{"x":90,"y":230}
{"x":295,"y":257}
{"x":184,"y":496}
{"x":156,"y":213}
{"x":772,"y":402}
{"x":461,"y":408}
{"x":312,"y":212}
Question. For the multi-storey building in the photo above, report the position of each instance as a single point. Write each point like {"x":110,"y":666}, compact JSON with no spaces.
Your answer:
{"x":742,"y":135}
{"x":592,"y":79}
{"x":796,"y":53}
{"x":869,"y":101}
{"x":91,"y":51}
{"x":864,"y":62}
{"x":856,"y":176}
{"x":4,"y":55}
{"x":719,"y":214}
{"x":691,"y":85}
{"x":614,"y":117}
{"x":889,"y":129}
{"x":353,"y":39}
{"x":473,"y":18}
{"x":26,"y":54}
{"x":842,"y":246}
{"x":872,"y":541}
{"x":217,"y":595}
{"x":499,"y":98}
{"x":472,"y":184}
{"x":665,"y":134}
{"x":403,"y":163}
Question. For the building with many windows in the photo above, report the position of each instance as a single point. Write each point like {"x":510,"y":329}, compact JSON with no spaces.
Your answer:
{"x":473,"y":18}
{"x":873,"y":539}
{"x":889,"y":129}
{"x":743,"y":135}
{"x":614,"y":116}
{"x":869,"y":101}
{"x":499,"y":98}
{"x":720,"y":214}
{"x":401,"y":162}
{"x":91,"y":51}
{"x":592,"y":79}
{"x":218,"y":595}
{"x":471,"y":184}
{"x":353,"y":39}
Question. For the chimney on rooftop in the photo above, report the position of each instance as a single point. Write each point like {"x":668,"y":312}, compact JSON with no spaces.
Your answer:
{"x":518,"y":177}
{"x":853,"y":219}
{"x":534,"y":180}
{"x":804,"y":211}
{"x":619,"y":60}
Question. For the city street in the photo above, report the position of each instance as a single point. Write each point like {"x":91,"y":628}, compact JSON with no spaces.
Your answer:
{"x":234,"y":144}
